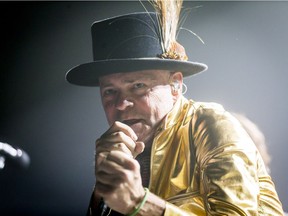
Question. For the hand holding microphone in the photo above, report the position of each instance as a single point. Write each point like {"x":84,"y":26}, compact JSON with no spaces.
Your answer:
{"x":118,"y":178}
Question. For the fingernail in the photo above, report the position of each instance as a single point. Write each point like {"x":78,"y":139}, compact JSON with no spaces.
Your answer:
{"x":134,"y":137}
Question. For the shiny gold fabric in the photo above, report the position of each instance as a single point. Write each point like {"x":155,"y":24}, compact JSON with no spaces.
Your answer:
{"x":229,"y":176}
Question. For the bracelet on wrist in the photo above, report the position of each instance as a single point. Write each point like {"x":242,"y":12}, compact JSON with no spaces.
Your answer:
{"x":135,"y":212}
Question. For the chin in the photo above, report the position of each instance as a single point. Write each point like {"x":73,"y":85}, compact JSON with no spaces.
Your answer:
{"x":145,"y":138}
{"x":143,"y":132}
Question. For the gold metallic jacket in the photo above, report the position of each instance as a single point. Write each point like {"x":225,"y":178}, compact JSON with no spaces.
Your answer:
{"x":204,"y":163}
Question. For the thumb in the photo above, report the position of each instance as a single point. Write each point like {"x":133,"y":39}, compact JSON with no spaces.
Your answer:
{"x":139,"y":148}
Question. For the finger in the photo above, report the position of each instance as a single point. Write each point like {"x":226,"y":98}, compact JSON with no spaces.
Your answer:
{"x":110,"y":173}
{"x":108,"y":167}
{"x":139,"y":148}
{"x":117,"y":168}
{"x":116,"y":161}
{"x":108,"y":147}
{"x":115,"y":140}
{"x":99,"y":158}
{"x":123,"y":160}
{"x":119,"y":126}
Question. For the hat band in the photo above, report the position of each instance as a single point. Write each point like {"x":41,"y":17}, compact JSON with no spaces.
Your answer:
{"x":176,"y":52}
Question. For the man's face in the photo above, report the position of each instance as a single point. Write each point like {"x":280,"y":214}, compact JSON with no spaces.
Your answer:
{"x":139,"y":99}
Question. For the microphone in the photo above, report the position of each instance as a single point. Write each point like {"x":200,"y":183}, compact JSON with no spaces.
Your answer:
{"x":103,"y":207}
{"x":17,"y":155}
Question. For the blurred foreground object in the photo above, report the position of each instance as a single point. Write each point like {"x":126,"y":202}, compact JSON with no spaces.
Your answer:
{"x":257,"y":136}
{"x":15,"y":155}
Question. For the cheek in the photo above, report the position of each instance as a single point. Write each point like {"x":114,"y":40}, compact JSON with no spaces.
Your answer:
{"x":110,"y":112}
{"x":160,"y":104}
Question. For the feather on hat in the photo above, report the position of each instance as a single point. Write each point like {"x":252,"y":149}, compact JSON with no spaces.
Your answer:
{"x":168,"y":13}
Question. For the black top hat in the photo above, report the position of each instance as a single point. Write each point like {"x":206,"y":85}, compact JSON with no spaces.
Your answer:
{"x":127,"y":43}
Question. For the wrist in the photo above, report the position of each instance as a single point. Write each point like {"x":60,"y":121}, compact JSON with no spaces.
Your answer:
{"x":153,"y":206}
{"x":141,"y":204}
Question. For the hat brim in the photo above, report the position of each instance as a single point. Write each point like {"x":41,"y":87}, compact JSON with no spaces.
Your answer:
{"x":88,"y":74}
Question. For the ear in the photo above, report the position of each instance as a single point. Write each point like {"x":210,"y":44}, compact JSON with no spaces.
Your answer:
{"x":176,"y":81}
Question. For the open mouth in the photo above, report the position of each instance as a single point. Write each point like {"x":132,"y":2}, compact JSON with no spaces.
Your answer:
{"x":130,"y":122}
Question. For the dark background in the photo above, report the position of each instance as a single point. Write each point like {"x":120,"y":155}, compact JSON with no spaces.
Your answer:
{"x":57,"y":123}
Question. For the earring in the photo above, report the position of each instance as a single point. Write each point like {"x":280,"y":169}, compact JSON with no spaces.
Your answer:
{"x":184,"y":88}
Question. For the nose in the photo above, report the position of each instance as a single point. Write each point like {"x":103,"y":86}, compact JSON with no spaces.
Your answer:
{"x":123,"y":103}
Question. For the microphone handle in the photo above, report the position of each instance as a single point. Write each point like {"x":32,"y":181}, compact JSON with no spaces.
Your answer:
{"x":105,"y":210}
{"x":103,"y":207}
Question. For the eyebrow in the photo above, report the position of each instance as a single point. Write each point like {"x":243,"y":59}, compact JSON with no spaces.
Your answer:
{"x":128,"y":80}
{"x":138,"y":78}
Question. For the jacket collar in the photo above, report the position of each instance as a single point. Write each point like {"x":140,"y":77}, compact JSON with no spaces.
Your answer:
{"x":176,"y":114}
